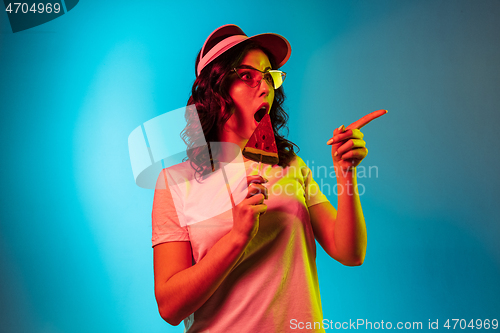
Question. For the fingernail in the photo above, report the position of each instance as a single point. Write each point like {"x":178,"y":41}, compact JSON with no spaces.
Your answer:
{"x":341,"y":128}
{"x":336,"y":153}
{"x":265,"y":180}
{"x":329,"y":141}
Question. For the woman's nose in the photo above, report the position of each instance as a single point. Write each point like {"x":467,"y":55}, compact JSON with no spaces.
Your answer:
{"x":264,"y":87}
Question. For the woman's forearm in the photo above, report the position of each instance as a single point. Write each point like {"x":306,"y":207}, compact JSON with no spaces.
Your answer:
{"x":187,"y":290}
{"x":350,"y":228}
{"x":348,"y":150}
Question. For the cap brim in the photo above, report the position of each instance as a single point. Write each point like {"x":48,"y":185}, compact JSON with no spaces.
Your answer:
{"x":218,"y":35}
{"x":276,"y":44}
{"x":228,"y":36}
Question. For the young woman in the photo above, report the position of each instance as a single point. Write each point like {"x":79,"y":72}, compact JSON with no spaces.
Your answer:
{"x":253,"y":268}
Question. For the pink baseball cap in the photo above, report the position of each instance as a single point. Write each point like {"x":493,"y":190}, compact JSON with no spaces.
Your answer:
{"x":229,"y":35}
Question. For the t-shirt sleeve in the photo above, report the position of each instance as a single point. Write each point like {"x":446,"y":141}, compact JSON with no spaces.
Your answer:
{"x":167,"y":221}
{"x":312,"y":190}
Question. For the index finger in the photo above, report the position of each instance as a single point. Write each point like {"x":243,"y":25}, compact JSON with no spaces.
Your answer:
{"x":256,"y":179}
{"x":366,"y":119}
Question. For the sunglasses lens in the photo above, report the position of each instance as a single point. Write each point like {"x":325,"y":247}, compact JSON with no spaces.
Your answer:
{"x":277,"y":78}
{"x":250,"y":76}
{"x":253,"y":77}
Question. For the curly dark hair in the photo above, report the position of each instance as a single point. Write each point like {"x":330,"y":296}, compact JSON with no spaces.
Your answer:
{"x":210,"y":95}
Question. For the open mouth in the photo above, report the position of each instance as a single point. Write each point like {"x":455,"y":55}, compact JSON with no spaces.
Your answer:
{"x":260,"y":114}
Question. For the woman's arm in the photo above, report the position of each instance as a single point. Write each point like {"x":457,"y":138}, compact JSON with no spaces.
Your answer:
{"x":342,"y":234}
{"x":181,"y":288}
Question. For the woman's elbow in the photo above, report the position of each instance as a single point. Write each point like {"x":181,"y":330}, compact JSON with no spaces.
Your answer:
{"x":168,"y":316}
{"x":353,"y":261}
{"x":166,"y":311}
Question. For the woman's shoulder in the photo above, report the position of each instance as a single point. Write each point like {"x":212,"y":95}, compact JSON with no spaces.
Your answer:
{"x":180,"y":168}
{"x":298,"y":167}
{"x":297,"y":161}
{"x":177,"y":173}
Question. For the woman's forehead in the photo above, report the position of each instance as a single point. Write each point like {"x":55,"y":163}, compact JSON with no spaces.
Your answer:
{"x":257,"y":59}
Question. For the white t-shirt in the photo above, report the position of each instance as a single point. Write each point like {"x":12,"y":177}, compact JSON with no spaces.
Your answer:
{"x":276,"y":280}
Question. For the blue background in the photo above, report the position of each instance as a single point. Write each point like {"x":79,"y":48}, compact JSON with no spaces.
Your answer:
{"x":75,"y":251}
